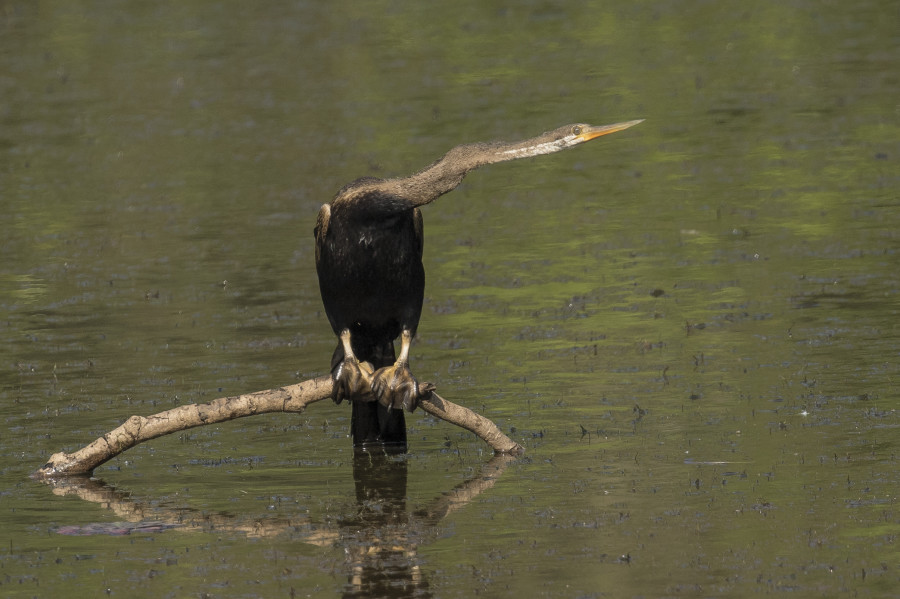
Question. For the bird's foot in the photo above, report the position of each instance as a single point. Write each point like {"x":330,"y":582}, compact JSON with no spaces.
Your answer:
{"x":395,"y":387}
{"x":353,"y":381}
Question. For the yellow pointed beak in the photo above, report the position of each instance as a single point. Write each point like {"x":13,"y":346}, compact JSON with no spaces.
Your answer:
{"x":590,"y":132}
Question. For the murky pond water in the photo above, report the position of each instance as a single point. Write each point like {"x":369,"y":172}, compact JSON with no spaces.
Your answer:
{"x":692,"y":326}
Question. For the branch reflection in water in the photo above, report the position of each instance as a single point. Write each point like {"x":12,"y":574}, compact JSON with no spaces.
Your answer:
{"x":380,"y":539}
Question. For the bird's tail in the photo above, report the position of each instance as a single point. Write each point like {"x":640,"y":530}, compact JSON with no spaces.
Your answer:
{"x":374,"y":426}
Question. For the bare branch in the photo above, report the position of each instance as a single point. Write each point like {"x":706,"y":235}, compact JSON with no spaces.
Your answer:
{"x":448,"y":411}
{"x":293,"y":398}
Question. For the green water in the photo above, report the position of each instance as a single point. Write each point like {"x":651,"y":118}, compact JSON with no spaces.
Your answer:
{"x":692,"y":325}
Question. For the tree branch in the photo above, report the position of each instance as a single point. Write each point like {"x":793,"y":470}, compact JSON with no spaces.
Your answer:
{"x":293,"y":398}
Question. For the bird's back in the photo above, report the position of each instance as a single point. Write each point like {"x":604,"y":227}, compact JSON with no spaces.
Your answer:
{"x":370,"y":272}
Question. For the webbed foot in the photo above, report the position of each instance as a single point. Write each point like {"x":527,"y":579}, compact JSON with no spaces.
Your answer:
{"x":395,"y":387}
{"x":353,"y":381}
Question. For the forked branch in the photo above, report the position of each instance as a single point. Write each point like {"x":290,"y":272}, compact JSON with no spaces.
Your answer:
{"x":293,"y":398}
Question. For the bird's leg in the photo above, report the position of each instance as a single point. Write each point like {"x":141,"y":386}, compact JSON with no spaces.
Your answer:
{"x":352,"y":378}
{"x":394,"y":386}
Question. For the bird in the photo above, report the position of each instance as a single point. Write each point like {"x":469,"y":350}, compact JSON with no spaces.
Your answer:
{"x":369,"y":243}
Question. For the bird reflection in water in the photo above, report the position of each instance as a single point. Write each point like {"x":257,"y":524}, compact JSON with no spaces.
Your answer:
{"x":381,"y":551}
{"x":380,"y":537}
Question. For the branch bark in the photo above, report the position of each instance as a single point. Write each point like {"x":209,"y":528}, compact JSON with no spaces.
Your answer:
{"x":293,"y":398}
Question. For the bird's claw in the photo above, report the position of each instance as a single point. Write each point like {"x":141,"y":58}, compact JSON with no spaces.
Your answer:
{"x":395,"y":387}
{"x":353,"y":381}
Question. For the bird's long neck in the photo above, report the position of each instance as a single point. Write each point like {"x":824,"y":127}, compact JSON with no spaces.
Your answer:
{"x":442,"y":176}
{"x":446,"y":174}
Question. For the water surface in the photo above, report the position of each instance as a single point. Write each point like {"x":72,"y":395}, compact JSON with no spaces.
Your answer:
{"x":691,"y":325}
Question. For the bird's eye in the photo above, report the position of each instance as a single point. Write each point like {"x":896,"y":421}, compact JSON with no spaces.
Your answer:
{"x":576,"y":130}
